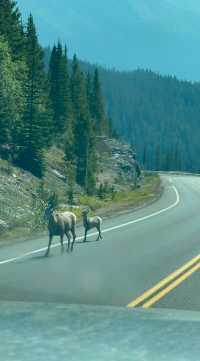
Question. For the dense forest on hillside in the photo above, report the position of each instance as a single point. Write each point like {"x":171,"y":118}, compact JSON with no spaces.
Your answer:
{"x":39,"y":108}
{"x":159,"y":115}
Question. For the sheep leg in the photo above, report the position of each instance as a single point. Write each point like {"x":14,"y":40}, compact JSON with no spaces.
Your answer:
{"x":49,"y":245}
{"x":86,"y":231}
{"x":68,"y":238}
{"x":74,"y":238}
{"x":61,"y":242}
{"x":99,"y":235}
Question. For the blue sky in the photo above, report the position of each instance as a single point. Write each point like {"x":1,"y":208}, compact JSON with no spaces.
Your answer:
{"x":163,"y":35}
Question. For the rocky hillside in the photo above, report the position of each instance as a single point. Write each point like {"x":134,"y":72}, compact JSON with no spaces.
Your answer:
{"x":21,"y":193}
{"x":118,"y":165}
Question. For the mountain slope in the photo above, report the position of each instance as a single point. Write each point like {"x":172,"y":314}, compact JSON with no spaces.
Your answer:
{"x":158,"y":115}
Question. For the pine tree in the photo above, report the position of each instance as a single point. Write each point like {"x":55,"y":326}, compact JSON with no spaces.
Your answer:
{"x":98,"y":110}
{"x":84,"y":137}
{"x":11,"y":100}
{"x":89,"y":91}
{"x":78,"y":90}
{"x":82,"y":148}
{"x":35,"y":120}
{"x":11,"y":27}
{"x":60,"y":89}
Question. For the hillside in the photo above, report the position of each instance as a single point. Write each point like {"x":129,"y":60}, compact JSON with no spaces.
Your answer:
{"x":23,"y":197}
{"x":159,"y":115}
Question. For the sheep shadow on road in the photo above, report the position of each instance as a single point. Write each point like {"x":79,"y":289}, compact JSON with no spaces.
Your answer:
{"x":44,"y":256}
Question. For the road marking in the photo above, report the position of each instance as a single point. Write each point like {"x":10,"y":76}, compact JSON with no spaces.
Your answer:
{"x":171,"y":287}
{"x":139,"y":300}
{"x":25,"y":255}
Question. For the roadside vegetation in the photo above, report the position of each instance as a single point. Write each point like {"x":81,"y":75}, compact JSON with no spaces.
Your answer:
{"x":24,"y":198}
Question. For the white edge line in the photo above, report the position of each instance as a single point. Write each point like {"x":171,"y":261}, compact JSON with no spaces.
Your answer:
{"x":104,"y":231}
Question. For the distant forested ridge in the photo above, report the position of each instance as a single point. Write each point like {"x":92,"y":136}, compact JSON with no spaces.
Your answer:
{"x":41,"y":107}
{"x":158,"y":115}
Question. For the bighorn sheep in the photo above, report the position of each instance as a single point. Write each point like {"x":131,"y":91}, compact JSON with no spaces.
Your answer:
{"x":91,"y":222}
{"x":60,"y":224}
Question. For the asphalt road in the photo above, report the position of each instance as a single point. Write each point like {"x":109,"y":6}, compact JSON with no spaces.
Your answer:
{"x":139,"y":250}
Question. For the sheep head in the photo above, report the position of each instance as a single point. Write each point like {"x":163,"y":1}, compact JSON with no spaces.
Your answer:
{"x":85,"y":212}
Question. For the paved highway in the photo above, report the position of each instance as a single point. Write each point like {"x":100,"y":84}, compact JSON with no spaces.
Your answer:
{"x":147,"y":258}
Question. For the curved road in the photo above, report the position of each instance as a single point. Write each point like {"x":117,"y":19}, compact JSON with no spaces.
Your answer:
{"x":140,"y":250}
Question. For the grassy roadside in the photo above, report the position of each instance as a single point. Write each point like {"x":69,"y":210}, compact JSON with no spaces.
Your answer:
{"x":149,"y":191}
{"x":24,"y":197}
{"x":111,"y":204}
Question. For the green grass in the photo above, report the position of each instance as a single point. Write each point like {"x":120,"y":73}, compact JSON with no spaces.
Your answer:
{"x":149,"y":191}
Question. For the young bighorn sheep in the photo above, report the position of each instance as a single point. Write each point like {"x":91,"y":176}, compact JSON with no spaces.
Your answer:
{"x":91,"y":222}
{"x":60,"y":224}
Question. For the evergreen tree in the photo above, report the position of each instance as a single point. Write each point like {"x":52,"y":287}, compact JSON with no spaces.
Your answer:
{"x":11,"y":100}
{"x":11,"y":27}
{"x":78,"y":90}
{"x":35,"y":121}
{"x":89,"y":91}
{"x":84,"y":137}
{"x":60,"y":90}
{"x":98,"y":110}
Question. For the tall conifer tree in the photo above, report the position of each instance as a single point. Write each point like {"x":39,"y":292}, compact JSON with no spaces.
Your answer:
{"x":11,"y":27}
{"x":11,"y":99}
{"x":83,"y":131}
{"x":35,"y":122}
{"x":60,"y":89}
{"x":98,"y":110}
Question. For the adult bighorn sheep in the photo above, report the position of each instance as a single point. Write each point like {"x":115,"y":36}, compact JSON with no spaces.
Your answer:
{"x":59,"y":224}
{"x":91,"y":222}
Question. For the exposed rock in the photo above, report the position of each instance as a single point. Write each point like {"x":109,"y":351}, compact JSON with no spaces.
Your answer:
{"x":117,"y":162}
{"x":58,"y":174}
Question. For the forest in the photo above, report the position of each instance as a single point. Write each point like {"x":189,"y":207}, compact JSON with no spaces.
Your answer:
{"x":42,"y":107}
{"x":158,"y":115}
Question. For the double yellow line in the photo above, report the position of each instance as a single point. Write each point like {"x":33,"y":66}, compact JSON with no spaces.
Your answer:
{"x":161,"y":289}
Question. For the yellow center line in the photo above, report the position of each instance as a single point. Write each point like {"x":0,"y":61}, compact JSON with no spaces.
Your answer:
{"x":163,"y":283}
{"x":173,"y":285}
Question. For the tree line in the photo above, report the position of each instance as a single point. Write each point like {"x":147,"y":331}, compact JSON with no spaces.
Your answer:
{"x":158,"y":115}
{"x":40,"y":107}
